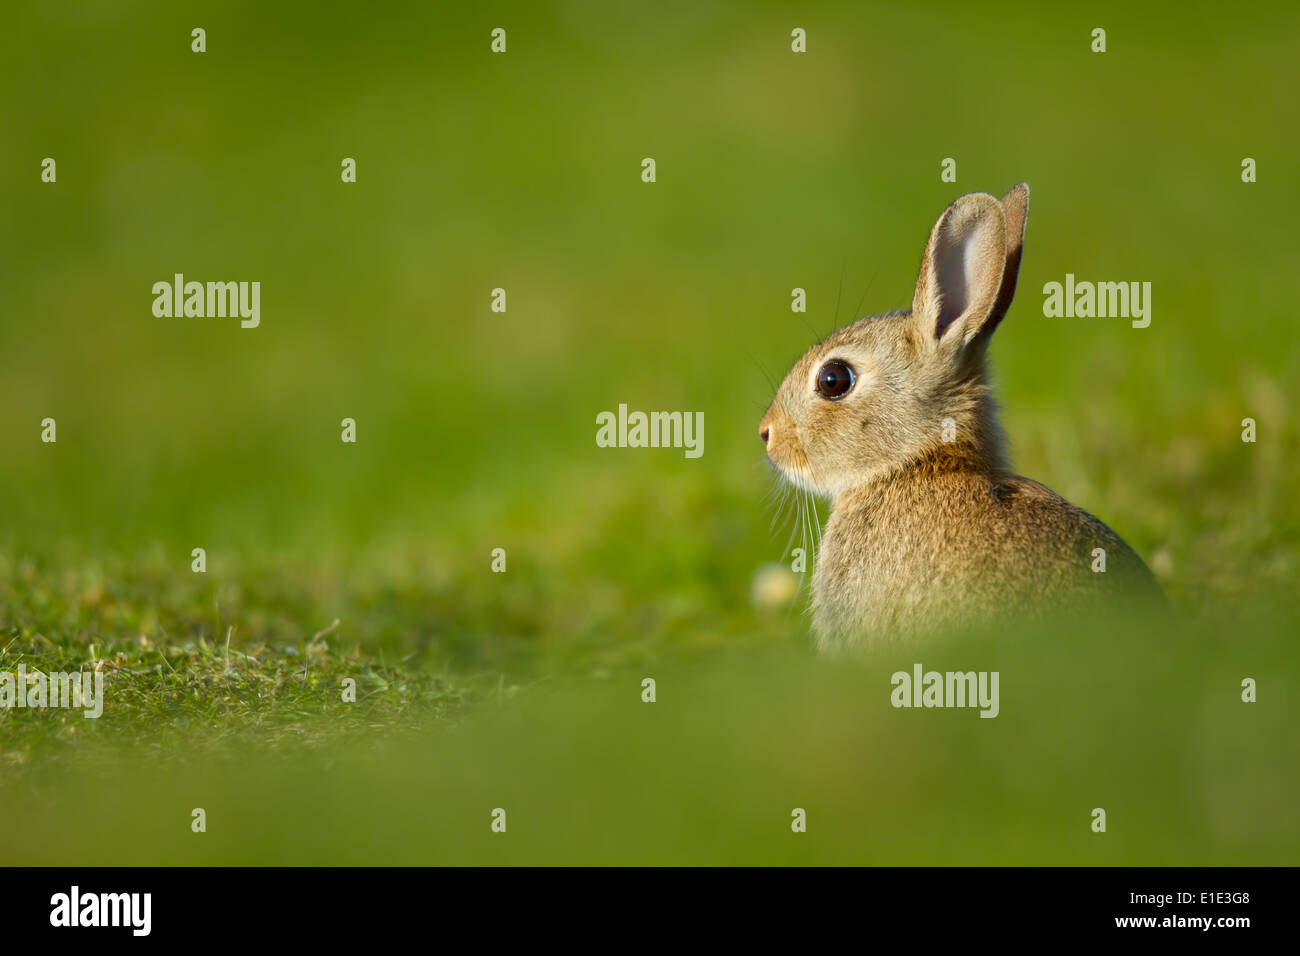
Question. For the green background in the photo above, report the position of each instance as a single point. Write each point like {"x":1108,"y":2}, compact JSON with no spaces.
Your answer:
{"x":476,"y":429}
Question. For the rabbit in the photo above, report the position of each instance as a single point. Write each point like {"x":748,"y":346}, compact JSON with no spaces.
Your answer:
{"x":892,"y":417}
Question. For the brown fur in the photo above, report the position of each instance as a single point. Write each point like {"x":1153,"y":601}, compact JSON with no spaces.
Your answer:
{"x":926,"y":533}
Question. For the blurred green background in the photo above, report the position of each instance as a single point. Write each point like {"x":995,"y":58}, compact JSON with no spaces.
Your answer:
{"x":476,"y":429}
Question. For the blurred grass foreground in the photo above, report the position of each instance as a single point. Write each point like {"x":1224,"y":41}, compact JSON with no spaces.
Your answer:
{"x":495,"y":585}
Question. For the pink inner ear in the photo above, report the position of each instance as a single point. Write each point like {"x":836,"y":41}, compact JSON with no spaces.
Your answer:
{"x":952,"y":273}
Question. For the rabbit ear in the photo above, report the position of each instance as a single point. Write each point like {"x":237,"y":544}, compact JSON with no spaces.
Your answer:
{"x":961,"y":273}
{"x":1015,"y":206}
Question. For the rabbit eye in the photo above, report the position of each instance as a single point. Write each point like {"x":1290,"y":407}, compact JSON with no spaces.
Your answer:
{"x":834,"y":380}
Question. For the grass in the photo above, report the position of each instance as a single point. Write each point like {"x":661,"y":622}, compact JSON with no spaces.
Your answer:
{"x":713,"y":769}
{"x":188,"y":697}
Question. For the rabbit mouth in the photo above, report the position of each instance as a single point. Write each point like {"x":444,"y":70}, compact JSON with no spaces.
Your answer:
{"x":798,"y":475}
{"x":797,"y":472}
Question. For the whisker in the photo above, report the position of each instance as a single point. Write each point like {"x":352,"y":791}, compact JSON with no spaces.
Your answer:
{"x":782,"y":507}
{"x":803,"y":518}
{"x":771,"y":382}
{"x":816,"y":521}
{"x":857,"y":313}
{"x":839,"y":291}
{"x":794,"y":530}
{"x":809,"y":557}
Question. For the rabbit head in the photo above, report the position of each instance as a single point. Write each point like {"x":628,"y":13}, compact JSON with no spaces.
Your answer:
{"x":891,"y":391}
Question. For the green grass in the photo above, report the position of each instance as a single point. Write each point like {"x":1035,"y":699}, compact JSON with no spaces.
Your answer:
{"x":476,"y":429}
{"x":1141,"y":720}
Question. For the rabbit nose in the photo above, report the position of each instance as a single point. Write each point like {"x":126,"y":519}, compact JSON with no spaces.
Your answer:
{"x":763,"y":434}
